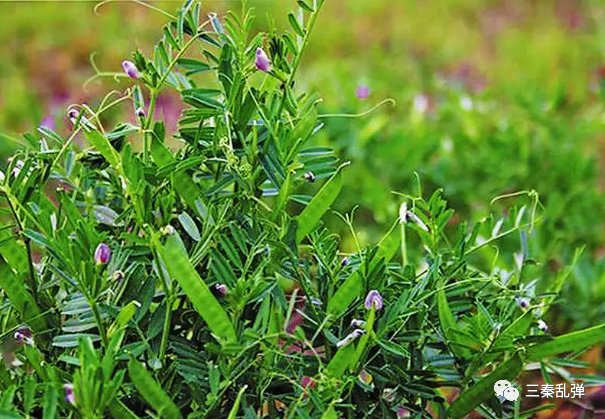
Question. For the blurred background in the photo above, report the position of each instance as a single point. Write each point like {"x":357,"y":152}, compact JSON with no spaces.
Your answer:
{"x":492,"y":97}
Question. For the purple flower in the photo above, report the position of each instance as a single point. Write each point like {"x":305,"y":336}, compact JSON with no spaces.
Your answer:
{"x":421,"y":103}
{"x":17,"y":169}
{"x":358,"y":323}
{"x":402,"y":412}
{"x":350,"y":338}
{"x":222,"y":289}
{"x":48,"y":122}
{"x":23,"y":336}
{"x":310,"y":177}
{"x":102,"y":254}
{"x":374,"y":299}
{"x":344,"y":262}
{"x":365,"y":377}
{"x":389,"y":394}
{"x":70,"y":397}
{"x":522,"y":302}
{"x":73,"y":115}
{"x":262,"y":61}
{"x":130,"y":69}
{"x":140,"y":113}
{"x":362,"y":92}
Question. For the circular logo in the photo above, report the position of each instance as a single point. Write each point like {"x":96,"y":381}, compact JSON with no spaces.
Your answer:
{"x":511,"y":394}
{"x":500,"y":386}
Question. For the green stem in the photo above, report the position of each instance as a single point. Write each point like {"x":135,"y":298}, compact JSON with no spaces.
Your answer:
{"x":170,"y":298}
{"x":298,"y":57}
{"x":148,"y":134}
{"x":33,"y":283}
{"x":99,"y":320}
{"x":166,"y":328}
{"x":154,"y":96}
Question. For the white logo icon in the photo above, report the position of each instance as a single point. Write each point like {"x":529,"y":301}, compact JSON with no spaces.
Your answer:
{"x":511,"y":394}
{"x":505,"y":389}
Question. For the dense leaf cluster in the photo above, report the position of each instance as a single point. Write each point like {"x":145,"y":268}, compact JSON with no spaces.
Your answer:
{"x":199,"y":281}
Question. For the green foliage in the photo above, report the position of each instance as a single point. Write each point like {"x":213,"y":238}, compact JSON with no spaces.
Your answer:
{"x":225,"y":294}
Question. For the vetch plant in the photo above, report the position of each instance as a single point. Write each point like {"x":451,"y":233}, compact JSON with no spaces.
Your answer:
{"x":199,"y":280}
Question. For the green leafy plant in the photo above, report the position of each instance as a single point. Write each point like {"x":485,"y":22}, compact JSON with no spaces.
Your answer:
{"x":194,"y":276}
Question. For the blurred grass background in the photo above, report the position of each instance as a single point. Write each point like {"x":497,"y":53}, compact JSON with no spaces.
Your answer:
{"x":492,"y":97}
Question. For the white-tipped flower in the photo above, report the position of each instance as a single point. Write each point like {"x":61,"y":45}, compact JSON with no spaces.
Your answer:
{"x":403,"y":213}
{"x":356,"y":323}
{"x":373,"y":299}
{"x":23,"y":336}
{"x":70,"y":397}
{"x":518,"y":260}
{"x":222,"y":289}
{"x":74,"y":116}
{"x":310,"y":177}
{"x":130,"y":69}
{"x":140,"y":113}
{"x":350,"y":338}
{"x":53,"y":221}
{"x":168,"y":230}
{"x":17,"y":168}
{"x":542,"y":326}
{"x":522,"y":302}
{"x":418,"y":221}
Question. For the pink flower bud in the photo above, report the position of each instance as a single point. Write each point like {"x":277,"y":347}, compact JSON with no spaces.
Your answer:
{"x":306,"y":382}
{"x":70,"y":397}
{"x":402,"y":412}
{"x":222,"y":289}
{"x":102,"y":254}
{"x":130,"y":69}
{"x":374,"y":299}
{"x":262,"y":61}
{"x":362,"y":92}
{"x":365,"y":377}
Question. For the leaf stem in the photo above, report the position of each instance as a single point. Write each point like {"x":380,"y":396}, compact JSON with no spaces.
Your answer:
{"x":298,"y":58}
{"x":32,"y":272}
{"x":98,"y":319}
{"x":166,"y":327}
